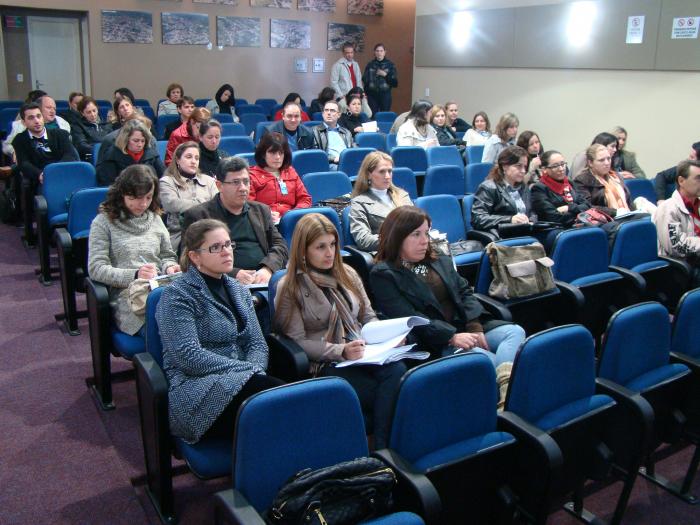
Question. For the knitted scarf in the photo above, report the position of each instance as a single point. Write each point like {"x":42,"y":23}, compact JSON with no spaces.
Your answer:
{"x":341,"y":321}
{"x":562,"y":188}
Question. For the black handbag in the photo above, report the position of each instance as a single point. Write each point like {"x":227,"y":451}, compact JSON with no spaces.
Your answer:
{"x":341,"y":494}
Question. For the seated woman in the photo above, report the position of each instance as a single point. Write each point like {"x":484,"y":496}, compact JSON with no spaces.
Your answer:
{"x":134,"y":145}
{"x":273,"y":181}
{"x":123,"y":110}
{"x":456,"y":124}
{"x":88,"y":131}
{"x":317,"y":104}
{"x":554,"y":199}
{"x":445,"y":135}
{"x":214,"y":353}
{"x":530,"y":142}
{"x":322,"y":305}
{"x":169,"y":105}
{"x":409,"y":279}
{"x":357,"y":90}
{"x":292,"y":97}
{"x":373,"y":197}
{"x":209,"y":152}
{"x":503,"y":198}
{"x":504,"y":136}
{"x":224,"y":101}
{"x":184,"y":186}
{"x":604,"y":139}
{"x":600,"y":186}
{"x":416,"y":131}
{"x":128,"y":241}
{"x":353,"y":118}
{"x":627,"y":160}
{"x":480,"y":130}
{"x":187,"y":131}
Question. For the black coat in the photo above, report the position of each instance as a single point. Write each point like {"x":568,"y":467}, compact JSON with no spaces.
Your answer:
{"x":115,"y":161}
{"x":400,"y":293}
{"x":493,"y":206}
{"x":209,"y":160}
{"x":350,"y":121}
{"x":85,"y":135}
{"x":545,"y":203}
{"x":31,"y":161}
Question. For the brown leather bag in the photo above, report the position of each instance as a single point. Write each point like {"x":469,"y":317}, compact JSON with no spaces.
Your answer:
{"x":519,"y":271}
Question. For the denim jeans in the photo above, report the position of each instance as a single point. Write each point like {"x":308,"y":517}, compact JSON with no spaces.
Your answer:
{"x":504,"y":342}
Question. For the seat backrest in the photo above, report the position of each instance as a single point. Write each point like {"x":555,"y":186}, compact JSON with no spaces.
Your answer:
{"x":232,"y":129}
{"x":390,"y":137}
{"x":7,"y":117}
{"x":351,"y":160}
{"x":637,"y":340}
{"x":154,"y":345}
{"x":312,"y":123}
{"x":83,"y":208}
{"x":202,"y":103}
{"x":635,"y":243}
{"x":289,"y":221}
{"x":241,"y":102}
{"x":96,"y":152}
{"x":309,"y":161}
{"x":224,"y":118}
{"x":552,"y":369}
{"x":162,"y":121}
{"x":162,"y":147}
{"x":345,"y":223}
{"x":413,"y":157}
{"x":686,"y":325}
{"x":371,"y":140}
{"x":259,"y":127}
{"x":385,"y":116}
{"x":405,"y":179}
{"x":236,"y":145}
{"x":467,"y":203}
{"x":578,"y":253}
{"x":476,"y":174}
{"x":454,"y":397}
{"x":142,"y":102}
{"x":266,"y":103}
{"x":641,"y":188}
{"x":444,"y":179}
{"x":309,"y":424}
{"x":327,"y":185}
{"x":250,"y":122}
{"x":445,"y":215}
{"x":444,"y":155}
{"x":249,"y":157}
{"x":485,"y":275}
{"x":61,"y":180}
{"x":272,"y":290}
{"x":474,"y":154}
{"x":317,"y":115}
{"x":249,"y":108}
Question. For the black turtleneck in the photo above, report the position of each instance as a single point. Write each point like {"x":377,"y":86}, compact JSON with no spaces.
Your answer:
{"x":219,"y":292}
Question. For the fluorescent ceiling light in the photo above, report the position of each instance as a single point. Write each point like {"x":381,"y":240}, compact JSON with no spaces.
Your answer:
{"x":461,"y":29}
{"x":581,"y":19}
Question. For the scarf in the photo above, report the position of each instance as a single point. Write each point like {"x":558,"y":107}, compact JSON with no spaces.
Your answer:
{"x":562,"y":188}
{"x":341,"y":320}
{"x":692,"y":206}
{"x":136,"y":156}
{"x":614,"y":194}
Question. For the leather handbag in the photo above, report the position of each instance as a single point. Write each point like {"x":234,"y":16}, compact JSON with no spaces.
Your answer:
{"x":519,"y":271}
{"x":342,"y":494}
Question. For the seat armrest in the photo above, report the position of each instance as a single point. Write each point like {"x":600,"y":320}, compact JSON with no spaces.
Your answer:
{"x":361,"y":262}
{"x":414,"y":485}
{"x":691,"y":362}
{"x":63,"y":240}
{"x":535,"y":439}
{"x":628,"y":399}
{"x":288,"y":361}
{"x":230,"y":506}
{"x":632,"y":277}
{"x":572,"y":293}
{"x":40,"y":205}
{"x":481,"y":236}
{"x":679,"y":265}
{"x":494,"y":307}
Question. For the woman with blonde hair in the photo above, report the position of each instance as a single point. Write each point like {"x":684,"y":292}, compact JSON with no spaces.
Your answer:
{"x":187,"y":131}
{"x":600,"y":185}
{"x":373,"y":198}
{"x":504,"y":136}
{"x":322,"y":305}
{"x":134,"y":145}
{"x":445,"y":134}
{"x":184,"y":186}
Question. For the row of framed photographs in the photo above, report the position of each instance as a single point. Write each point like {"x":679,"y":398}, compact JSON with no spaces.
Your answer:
{"x":136,"y":27}
{"x":355,"y":7}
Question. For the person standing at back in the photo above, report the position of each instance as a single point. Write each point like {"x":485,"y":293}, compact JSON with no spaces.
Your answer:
{"x":345,"y":73}
{"x":380,"y":78}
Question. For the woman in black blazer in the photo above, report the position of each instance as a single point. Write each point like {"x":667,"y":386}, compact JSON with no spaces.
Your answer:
{"x":134,"y":145}
{"x":554,"y":198}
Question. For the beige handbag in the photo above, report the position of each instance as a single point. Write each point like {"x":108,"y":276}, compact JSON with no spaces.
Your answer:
{"x":138,"y":295}
{"x":519,"y":271}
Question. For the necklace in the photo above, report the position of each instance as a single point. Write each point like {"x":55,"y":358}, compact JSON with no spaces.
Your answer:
{"x":420,"y":269}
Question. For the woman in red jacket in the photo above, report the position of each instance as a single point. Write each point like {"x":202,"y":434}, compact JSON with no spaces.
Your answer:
{"x":274,"y":181}
{"x":188,"y":131}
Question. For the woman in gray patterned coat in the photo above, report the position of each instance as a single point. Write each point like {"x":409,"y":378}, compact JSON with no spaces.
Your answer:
{"x":128,"y":241}
{"x":214,"y":353}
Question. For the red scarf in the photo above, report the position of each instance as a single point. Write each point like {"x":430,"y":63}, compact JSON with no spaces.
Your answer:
{"x":135,"y":156}
{"x":562,"y":188}
{"x":692,"y":207}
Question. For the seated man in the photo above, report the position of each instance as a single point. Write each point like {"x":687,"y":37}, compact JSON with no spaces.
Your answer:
{"x":330,"y":137}
{"x":677,"y":219}
{"x":667,"y":177}
{"x":185,"y":107}
{"x":47,"y":105}
{"x":299,"y":137}
{"x":260,"y":249}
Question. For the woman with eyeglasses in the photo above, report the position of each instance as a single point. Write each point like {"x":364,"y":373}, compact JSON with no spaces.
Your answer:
{"x":600,"y":185}
{"x":214,"y":352}
{"x":554,"y":199}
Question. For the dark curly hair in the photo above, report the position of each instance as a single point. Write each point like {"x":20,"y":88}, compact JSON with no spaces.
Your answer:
{"x":135,"y":181}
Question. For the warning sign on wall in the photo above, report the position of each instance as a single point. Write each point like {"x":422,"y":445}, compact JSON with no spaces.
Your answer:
{"x":685,"y":27}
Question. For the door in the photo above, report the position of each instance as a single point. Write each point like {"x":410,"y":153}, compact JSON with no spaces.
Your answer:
{"x":54,"y":55}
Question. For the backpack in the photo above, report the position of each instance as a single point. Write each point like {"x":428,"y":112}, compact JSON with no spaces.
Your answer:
{"x":519,"y":271}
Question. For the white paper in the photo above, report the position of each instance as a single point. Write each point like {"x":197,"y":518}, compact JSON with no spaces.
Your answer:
{"x":370,"y":127}
{"x":374,"y":355}
{"x":163,"y":280}
{"x":635,"y":29}
{"x":685,"y":27}
{"x":390,"y":329}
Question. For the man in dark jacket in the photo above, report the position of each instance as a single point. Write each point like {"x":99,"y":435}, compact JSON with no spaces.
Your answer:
{"x":185,"y":107}
{"x":260,"y":249}
{"x":380,"y":78}
{"x":298,"y":136}
{"x":330,"y":137}
{"x":665,"y":181}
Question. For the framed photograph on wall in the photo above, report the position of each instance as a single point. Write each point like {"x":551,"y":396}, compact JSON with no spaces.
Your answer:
{"x":366,"y":7}
{"x":238,"y":31}
{"x":322,"y":6}
{"x":339,"y":33}
{"x":128,"y":27}
{"x":292,"y":34}
{"x":221,"y":2}
{"x":185,"y":28}
{"x":283,"y":4}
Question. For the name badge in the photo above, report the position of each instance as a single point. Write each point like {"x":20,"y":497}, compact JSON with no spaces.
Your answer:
{"x":283,"y":187}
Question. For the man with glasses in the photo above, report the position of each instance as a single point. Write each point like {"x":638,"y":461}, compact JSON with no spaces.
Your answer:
{"x":298,"y":136}
{"x":330,"y":137}
{"x":259,"y":248}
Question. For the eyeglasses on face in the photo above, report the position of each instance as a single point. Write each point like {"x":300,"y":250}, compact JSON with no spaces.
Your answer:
{"x":219,"y":247}
{"x":237,"y":182}
{"x":557,"y":166}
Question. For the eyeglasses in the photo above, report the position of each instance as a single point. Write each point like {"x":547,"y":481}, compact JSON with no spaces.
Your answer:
{"x":237,"y":182}
{"x":219,"y":247}
{"x":557,"y":166}
{"x":330,"y":110}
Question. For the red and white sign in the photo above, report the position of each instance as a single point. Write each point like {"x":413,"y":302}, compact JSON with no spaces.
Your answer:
{"x":685,"y":27}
